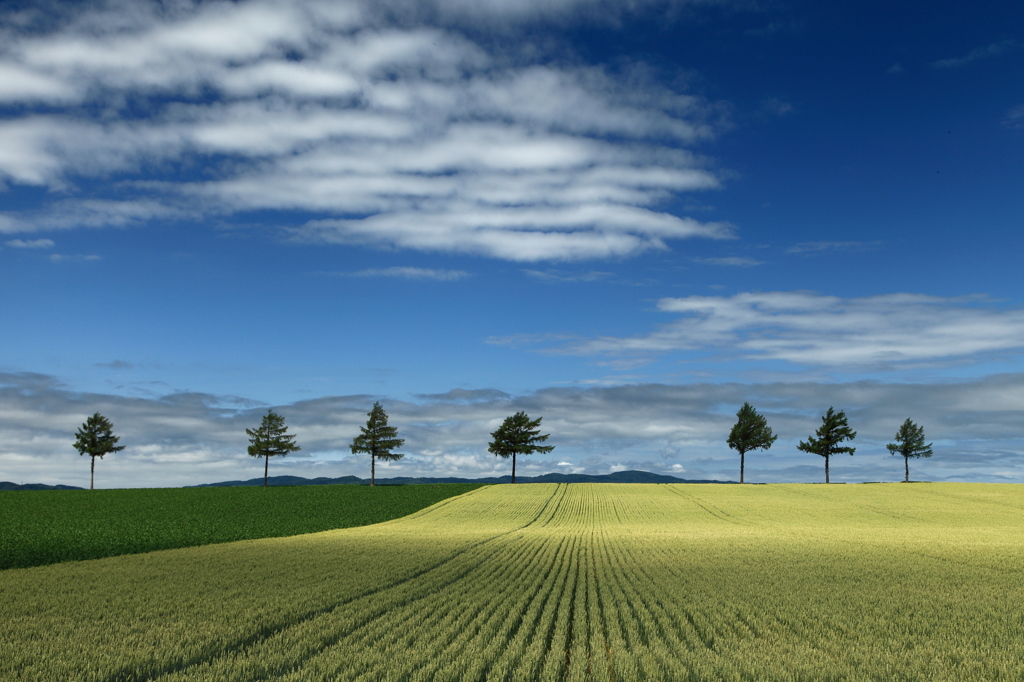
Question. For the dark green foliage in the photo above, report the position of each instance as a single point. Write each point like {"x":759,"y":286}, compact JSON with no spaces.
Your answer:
{"x":96,"y":438}
{"x":518,"y":436}
{"x":377,"y":439}
{"x":751,"y":432}
{"x":834,"y":430}
{"x":270,"y":439}
{"x":51,"y":526}
{"x":909,"y":443}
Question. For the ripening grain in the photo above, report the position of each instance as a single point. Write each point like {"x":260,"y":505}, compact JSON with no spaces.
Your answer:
{"x":555,"y":582}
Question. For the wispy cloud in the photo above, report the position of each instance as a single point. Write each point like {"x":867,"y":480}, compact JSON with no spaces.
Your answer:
{"x":69,"y":258}
{"x":974,"y":55}
{"x":817,"y":247}
{"x":777,"y":107}
{"x":411,"y":273}
{"x":115,"y":364}
{"x":408,"y":135}
{"x":731,"y":261}
{"x":567,"y":276}
{"x":1015,"y":118}
{"x":805,"y":328}
{"x":30,"y":243}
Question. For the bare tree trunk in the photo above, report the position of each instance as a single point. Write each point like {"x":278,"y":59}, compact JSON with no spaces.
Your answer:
{"x":741,"y":466}
{"x":513,"y":467}
{"x":266,"y":469}
{"x":906,"y":464}
{"x":826,"y":468}
{"x":92,"y":472}
{"x":373,"y":469}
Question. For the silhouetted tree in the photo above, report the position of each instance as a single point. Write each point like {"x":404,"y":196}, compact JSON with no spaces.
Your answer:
{"x":96,"y":438}
{"x":751,"y":432}
{"x":909,"y":443}
{"x":834,"y":430}
{"x":518,"y":436}
{"x":377,"y":439}
{"x":270,"y":439}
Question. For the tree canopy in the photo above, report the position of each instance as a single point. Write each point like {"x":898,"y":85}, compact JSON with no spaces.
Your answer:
{"x":377,"y":439}
{"x":909,"y":443}
{"x":96,"y":438}
{"x":270,"y":439}
{"x":518,"y":435}
{"x":751,"y":432}
{"x":834,"y":430}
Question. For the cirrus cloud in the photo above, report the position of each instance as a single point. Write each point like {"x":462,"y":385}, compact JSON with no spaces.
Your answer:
{"x":804,"y":328}
{"x":365,"y":129}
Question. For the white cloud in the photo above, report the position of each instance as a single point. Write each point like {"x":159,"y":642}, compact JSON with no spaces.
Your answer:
{"x":817,"y":247}
{"x":1015,"y":118}
{"x":974,"y":55}
{"x":805,"y":328}
{"x":396,"y":134}
{"x":30,"y":243}
{"x":412,"y":273}
{"x":70,"y":258}
{"x":731,"y":261}
{"x":565,"y":276}
{"x":21,"y":84}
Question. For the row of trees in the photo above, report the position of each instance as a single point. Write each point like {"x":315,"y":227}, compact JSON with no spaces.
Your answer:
{"x":518,"y":435}
{"x":751,"y":432}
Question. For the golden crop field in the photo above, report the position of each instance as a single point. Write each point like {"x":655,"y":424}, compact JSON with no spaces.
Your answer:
{"x":553,"y":582}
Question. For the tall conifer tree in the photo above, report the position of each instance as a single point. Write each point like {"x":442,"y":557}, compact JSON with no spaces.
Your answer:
{"x":377,"y":439}
{"x":270,"y":439}
{"x":834,"y":430}
{"x":751,"y":432}
{"x":909,"y":443}
{"x":96,"y":438}
{"x":518,"y":435}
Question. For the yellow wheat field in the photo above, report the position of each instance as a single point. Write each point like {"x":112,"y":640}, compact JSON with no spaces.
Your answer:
{"x":554,"y":582}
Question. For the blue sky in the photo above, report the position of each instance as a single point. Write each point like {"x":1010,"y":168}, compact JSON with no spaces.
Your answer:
{"x":626,"y":218}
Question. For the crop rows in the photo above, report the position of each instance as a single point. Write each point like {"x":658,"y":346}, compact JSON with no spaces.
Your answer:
{"x":561,"y":582}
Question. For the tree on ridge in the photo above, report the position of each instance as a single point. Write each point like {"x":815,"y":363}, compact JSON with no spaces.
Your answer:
{"x":751,"y":432}
{"x":834,"y":430}
{"x":518,"y":435}
{"x":909,"y":443}
{"x":270,"y":439}
{"x":96,"y":438}
{"x":377,"y":439}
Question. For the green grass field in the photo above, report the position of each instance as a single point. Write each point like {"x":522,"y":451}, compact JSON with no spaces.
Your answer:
{"x":582,"y":581}
{"x":49,"y":526}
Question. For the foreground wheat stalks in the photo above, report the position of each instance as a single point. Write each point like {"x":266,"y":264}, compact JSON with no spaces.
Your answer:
{"x":582,"y":581}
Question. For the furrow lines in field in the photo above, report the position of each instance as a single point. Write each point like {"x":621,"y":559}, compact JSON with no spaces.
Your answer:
{"x":657,"y":634}
{"x":553,"y":662}
{"x":304,"y":630}
{"x":524,"y":644}
{"x":424,"y":618}
{"x":455,"y":620}
{"x":714,"y":511}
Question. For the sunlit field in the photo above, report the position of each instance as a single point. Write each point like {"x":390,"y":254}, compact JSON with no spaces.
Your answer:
{"x":580,"y":581}
{"x":50,"y":526}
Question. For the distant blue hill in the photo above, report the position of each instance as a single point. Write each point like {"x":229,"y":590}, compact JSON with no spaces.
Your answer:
{"x":617,"y":477}
{"x":7,"y":485}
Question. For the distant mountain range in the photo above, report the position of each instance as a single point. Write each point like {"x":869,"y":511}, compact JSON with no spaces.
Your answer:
{"x":7,"y":485}
{"x":617,"y":477}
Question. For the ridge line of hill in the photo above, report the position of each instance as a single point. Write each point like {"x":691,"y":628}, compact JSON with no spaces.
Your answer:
{"x":617,"y":477}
